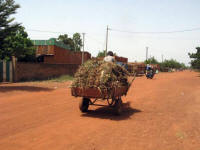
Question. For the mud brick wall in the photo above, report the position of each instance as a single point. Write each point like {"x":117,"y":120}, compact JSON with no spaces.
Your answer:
{"x":39,"y":71}
{"x":63,"y":56}
{"x":121,"y":59}
{"x":44,"y":50}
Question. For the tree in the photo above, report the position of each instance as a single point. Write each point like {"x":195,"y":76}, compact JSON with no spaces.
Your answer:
{"x":77,"y":41}
{"x":195,"y":62}
{"x":63,"y":38}
{"x":173,"y":64}
{"x":19,"y":45}
{"x":7,"y":8}
{"x":14,"y":40}
{"x":66,"y":40}
{"x":151,"y":60}
{"x":101,"y":53}
{"x":74,"y":43}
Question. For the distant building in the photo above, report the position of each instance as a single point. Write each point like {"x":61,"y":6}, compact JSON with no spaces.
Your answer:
{"x":55,"y":52}
{"x":137,"y":67}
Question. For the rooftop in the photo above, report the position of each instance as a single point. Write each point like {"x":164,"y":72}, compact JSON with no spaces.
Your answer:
{"x":51,"y":41}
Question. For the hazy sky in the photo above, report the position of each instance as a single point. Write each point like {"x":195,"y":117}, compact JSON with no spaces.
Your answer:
{"x":92,"y":17}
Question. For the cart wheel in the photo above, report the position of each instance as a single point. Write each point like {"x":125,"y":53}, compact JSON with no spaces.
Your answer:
{"x":84,"y":104}
{"x":118,"y":106}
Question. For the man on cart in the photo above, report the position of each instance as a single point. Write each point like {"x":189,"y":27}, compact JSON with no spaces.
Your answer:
{"x":110,"y":57}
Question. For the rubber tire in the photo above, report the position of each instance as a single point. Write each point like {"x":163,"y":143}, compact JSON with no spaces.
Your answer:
{"x":84,"y":104}
{"x":118,"y":107}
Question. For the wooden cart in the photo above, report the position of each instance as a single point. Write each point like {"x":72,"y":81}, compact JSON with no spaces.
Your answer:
{"x":91,"y":95}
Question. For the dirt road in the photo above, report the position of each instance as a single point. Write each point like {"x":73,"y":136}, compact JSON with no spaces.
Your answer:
{"x":158,"y":114}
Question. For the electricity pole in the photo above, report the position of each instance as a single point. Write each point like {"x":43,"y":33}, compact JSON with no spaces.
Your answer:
{"x":162,"y":57}
{"x":147,"y":53}
{"x":83,"y":47}
{"x":106,"y":41}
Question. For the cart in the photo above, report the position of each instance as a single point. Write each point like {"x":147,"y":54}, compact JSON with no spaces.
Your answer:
{"x":91,"y":95}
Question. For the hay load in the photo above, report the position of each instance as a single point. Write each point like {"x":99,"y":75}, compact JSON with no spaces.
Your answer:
{"x":104,"y":75}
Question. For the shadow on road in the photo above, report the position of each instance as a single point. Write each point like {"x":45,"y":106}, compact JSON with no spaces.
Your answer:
{"x":23,"y":88}
{"x":139,"y":75}
{"x":108,"y":112}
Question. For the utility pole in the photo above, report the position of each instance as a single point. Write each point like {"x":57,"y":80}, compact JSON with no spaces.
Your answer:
{"x":147,"y":53}
{"x":162,"y":58}
{"x":106,"y":40}
{"x":83,"y":48}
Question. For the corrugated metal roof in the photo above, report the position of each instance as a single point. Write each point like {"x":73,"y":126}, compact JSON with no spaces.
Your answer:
{"x":51,"y":41}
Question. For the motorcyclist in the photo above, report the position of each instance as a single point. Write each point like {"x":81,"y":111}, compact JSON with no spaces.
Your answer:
{"x":149,"y":71}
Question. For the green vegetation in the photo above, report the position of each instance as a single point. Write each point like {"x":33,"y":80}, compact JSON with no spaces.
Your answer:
{"x":14,"y":40}
{"x":195,"y":62}
{"x":77,"y":41}
{"x":173,"y":64}
{"x":74,"y":43}
{"x":151,"y":60}
{"x":101,"y":53}
{"x":62,"y":78}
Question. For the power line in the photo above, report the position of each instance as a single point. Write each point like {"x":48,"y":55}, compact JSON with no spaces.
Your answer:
{"x":117,"y":30}
{"x":34,"y":30}
{"x":163,"y":32}
{"x":94,"y":39}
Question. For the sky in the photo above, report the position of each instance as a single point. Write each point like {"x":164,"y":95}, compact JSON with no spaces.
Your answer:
{"x":93,"y":16}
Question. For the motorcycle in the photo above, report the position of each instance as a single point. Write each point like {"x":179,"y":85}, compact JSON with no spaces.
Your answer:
{"x":150,"y":74}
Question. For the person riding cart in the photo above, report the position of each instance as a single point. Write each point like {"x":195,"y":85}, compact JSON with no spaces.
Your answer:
{"x":110,"y":57}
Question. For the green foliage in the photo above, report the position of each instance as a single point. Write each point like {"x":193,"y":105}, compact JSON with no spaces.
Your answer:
{"x":7,"y":8}
{"x":62,"y":78}
{"x":66,"y":40}
{"x":167,"y":64}
{"x":151,"y":60}
{"x":14,"y":40}
{"x":173,"y":64}
{"x":19,"y":45}
{"x":77,"y":41}
{"x":101,"y":53}
{"x":195,"y":62}
{"x":74,"y":43}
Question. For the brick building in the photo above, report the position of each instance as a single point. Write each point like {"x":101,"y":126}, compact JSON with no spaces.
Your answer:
{"x":137,"y":67}
{"x":54,"y":52}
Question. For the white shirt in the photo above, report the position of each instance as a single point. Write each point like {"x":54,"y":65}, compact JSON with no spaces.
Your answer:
{"x":109,"y":59}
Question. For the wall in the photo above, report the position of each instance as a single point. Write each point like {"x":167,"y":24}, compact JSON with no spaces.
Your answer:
{"x":44,"y":50}
{"x":37,"y":71}
{"x":57,"y":55}
{"x":121,"y":59}
{"x":6,"y":71}
{"x":68,"y":57}
{"x":139,"y":67}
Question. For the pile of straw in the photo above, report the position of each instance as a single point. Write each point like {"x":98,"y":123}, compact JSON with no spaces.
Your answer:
{"x":104,"y":75}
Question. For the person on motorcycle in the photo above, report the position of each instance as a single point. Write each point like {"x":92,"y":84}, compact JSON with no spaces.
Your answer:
{"x":148,"y":68}
{"x":149,"y":71}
